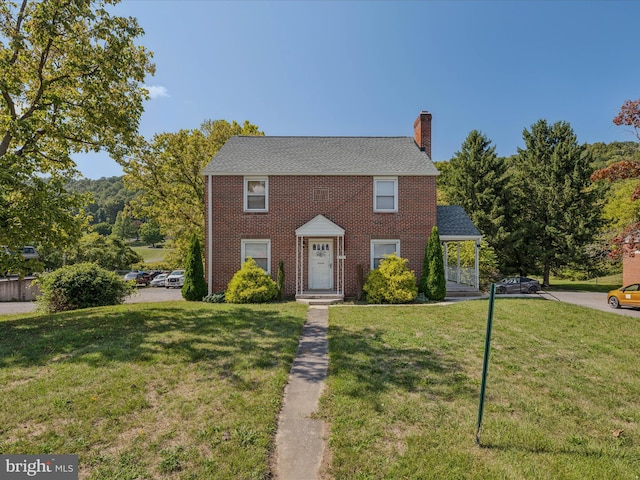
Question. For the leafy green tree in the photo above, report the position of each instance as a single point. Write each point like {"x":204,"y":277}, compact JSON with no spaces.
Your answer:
{"x":70,"y":82}
{"x":125,"y":227}
{"x":103,"y":228}
{"x":436,"y":283}
{"x":195,"y":286}
{"x":475,"y":178}
{"x":168,"y":174}
{"x":150,"y":233}
{"x":110,"y":252}
{"x":559,"y":210}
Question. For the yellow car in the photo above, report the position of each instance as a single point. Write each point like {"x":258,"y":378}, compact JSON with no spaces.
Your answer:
{"x":628,"y":296}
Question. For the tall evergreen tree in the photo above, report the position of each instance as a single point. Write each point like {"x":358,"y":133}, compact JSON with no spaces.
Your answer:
{"x":436,"y":284}
{"x":559,"y":211}
{"x":475,"y":178}
{"x":195,"y":286}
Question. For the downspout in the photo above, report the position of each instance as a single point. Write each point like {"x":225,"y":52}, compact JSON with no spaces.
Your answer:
{"x":210,"y":235}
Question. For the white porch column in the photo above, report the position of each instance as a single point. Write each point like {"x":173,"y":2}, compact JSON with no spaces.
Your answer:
{"x":458,"y":279}
{"x":446,"y":261}
{"x":478,"y":264}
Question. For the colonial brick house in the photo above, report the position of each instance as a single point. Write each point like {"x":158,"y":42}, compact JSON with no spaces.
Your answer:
{"x":330,"y":208}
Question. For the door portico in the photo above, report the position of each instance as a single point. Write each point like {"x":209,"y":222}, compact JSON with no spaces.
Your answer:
{"x":320,"y":249}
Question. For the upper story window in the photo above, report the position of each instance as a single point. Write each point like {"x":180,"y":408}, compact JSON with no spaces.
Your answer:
{"x":256,"y":194}
{"x":385,"y":194}
{"x":259,"y":250}
{"x":381,"y":248}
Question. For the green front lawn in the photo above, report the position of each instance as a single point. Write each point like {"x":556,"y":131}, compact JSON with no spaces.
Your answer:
{"x":185,"y":390}
{"x":192,"y":390}
{"x":563,"y":392}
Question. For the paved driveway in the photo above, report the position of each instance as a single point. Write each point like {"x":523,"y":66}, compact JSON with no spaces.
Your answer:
{"x":591,"y":300}
{"x":142,"y":295}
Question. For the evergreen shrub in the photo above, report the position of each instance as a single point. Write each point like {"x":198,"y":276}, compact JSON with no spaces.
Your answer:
{"x":195,"y":287}
{"x":82,"y":285}
{"x":391,"y":282}
{"x":251,"y":284}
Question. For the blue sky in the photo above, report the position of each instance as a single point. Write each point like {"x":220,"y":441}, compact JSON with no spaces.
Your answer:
{"x":367,"y":68}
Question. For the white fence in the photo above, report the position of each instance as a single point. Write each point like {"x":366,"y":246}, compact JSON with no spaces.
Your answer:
{"x":467,"y":275}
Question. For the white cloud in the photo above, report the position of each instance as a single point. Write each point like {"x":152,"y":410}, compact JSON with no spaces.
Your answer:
{"x":157,"y":91}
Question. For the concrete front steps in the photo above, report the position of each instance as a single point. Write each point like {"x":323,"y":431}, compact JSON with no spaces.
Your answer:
{"x":319,"y":298}
{"x":460,"y":290}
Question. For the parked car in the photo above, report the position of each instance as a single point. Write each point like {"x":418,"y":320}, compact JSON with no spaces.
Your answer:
{"x":518,"y":285}
{"x":28,"y":252}
{"x":628,"y":296}
{"x":175,"y":279}
{"x":141,"y":278}
{"x":159,"y":280}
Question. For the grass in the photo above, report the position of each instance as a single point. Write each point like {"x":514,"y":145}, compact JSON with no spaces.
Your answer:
{"x":562,"y":394}
{"x":602,"y":284}
{"x":192,"y":391}
{"x":149,"y":254}
{"x":184,"y":391}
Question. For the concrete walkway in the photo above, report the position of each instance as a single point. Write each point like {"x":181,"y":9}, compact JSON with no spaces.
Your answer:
{"x":300,"y":439}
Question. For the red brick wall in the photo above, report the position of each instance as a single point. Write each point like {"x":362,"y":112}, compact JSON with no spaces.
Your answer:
{"x":422,"y":132}
{"x":630,"y":269}
{"x":292,"y":204}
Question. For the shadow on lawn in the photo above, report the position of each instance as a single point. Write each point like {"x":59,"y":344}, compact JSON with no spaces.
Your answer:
{"x":378,"y":367}
{"x":202,"y":334}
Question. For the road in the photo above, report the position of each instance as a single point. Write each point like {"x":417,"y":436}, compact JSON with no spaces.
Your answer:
{"x":142,"y":295}
{"x":597,"y":301}
{"x":594,"y":300}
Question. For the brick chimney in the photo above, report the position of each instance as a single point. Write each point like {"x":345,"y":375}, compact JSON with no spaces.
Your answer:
{"x":422,"y":132}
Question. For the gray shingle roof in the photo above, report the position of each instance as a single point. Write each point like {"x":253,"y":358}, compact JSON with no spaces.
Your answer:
{"x":245,"y":155}
{"x":453,"y":221}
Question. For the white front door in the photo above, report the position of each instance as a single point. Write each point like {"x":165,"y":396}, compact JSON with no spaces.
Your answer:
{"x":320,"y":264}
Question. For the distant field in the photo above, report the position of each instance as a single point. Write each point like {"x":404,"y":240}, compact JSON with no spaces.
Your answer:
{"x":601,"y":284}
{"x":150,"y":254}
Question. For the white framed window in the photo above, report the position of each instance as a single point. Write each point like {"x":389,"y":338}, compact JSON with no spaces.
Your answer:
{"x":385,"y":194}
{"x":256,"y":194}
{"x":259,"y":250}
{"x":381,"y":248}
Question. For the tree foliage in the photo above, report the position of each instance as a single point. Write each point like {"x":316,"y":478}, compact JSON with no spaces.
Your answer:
{"x":70,"y":82}
{"x":475,"y":178}
{"x":627,"y":240}
{"x":559,"y":211}
{"x":108,"y":197}
{"x":168,"y":174}
{"x":150,"y":233}
{"x":195,"y":286}
{"x":125,"y":227}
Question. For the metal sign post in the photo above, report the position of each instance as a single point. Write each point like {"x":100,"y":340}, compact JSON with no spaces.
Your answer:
{"x":485,"y":365}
